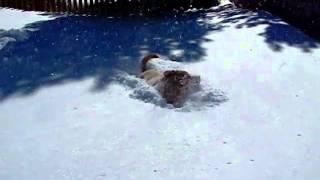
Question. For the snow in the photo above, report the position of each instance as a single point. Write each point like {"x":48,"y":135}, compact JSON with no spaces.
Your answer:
{"x":14,"y":19}
{"x":4,"y":41}
{"x":266,"y":127}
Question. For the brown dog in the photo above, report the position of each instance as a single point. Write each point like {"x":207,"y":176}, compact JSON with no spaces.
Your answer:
{"x":173,"y":85}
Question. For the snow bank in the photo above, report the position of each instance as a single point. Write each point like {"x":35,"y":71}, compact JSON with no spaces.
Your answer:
{"x":13,"y":23}
{"x":13,"y":19}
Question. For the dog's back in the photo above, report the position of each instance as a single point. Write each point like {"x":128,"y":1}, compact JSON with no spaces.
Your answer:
{"x":152,"y":77}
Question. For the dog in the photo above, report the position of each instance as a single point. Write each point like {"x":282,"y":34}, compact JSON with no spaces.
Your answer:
{"x":173,"y":84}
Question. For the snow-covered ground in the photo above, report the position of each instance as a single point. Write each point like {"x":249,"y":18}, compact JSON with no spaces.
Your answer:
{"x":55,"y":124}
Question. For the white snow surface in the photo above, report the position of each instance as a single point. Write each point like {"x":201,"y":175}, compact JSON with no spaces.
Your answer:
{"x":15,"y":19}
{"x":267,"y":129}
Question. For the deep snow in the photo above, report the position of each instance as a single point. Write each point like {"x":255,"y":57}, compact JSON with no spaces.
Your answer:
{"x":65,"y":114}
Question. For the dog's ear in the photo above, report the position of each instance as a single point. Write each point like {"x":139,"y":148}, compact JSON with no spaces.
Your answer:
{"x":145,"y":60}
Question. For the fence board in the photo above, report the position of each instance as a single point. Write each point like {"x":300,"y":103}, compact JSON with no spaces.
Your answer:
{"x":102,"y":6}
{"x":75,"y":6}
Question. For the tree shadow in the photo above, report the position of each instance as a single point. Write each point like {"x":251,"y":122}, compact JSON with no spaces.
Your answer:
{"x":76,"y":47}
{"x":276,"y":33}
{"x":72,"y":48}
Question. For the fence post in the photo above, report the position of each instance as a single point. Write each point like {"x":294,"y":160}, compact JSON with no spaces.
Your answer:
{"x":75,"y":6}
{"x":85,"y":6}
{"x":80,"y":6}
{"x":69,"y":6}
{"x":91,"y":6}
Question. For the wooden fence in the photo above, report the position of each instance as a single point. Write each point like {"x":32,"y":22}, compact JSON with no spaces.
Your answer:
{"x":104,"y":6}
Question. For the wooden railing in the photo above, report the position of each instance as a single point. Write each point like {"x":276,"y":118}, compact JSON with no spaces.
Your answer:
{"x":103,"y":6}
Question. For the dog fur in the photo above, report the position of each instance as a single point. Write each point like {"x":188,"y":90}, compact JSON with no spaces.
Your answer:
{"x":173,"y":85}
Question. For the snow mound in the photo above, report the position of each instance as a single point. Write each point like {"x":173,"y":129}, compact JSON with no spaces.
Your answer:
{"x":203,"y":98}
{"x":5,"y":40}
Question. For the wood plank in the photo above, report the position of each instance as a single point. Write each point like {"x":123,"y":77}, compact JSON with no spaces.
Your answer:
{"x":58,"y":5}
{"x":22,"y":3}
{"x":63,"y":6}
{"x":85,"y":6}
{"x":91,"y":6}
{"x":69,"y":6}
{"x":46,"y":5}
{"x":52,"y":5}
{"x":80,"y":6}
{"x":75,"y":6}
{"x":33,"y":4}
{"x":16,"y":4}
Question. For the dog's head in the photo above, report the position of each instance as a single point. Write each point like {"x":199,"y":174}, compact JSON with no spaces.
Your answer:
{"x":176,"y":85}
{"x":145,"y":60}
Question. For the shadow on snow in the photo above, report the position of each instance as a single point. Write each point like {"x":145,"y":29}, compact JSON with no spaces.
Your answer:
{"x":76,"y":47}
